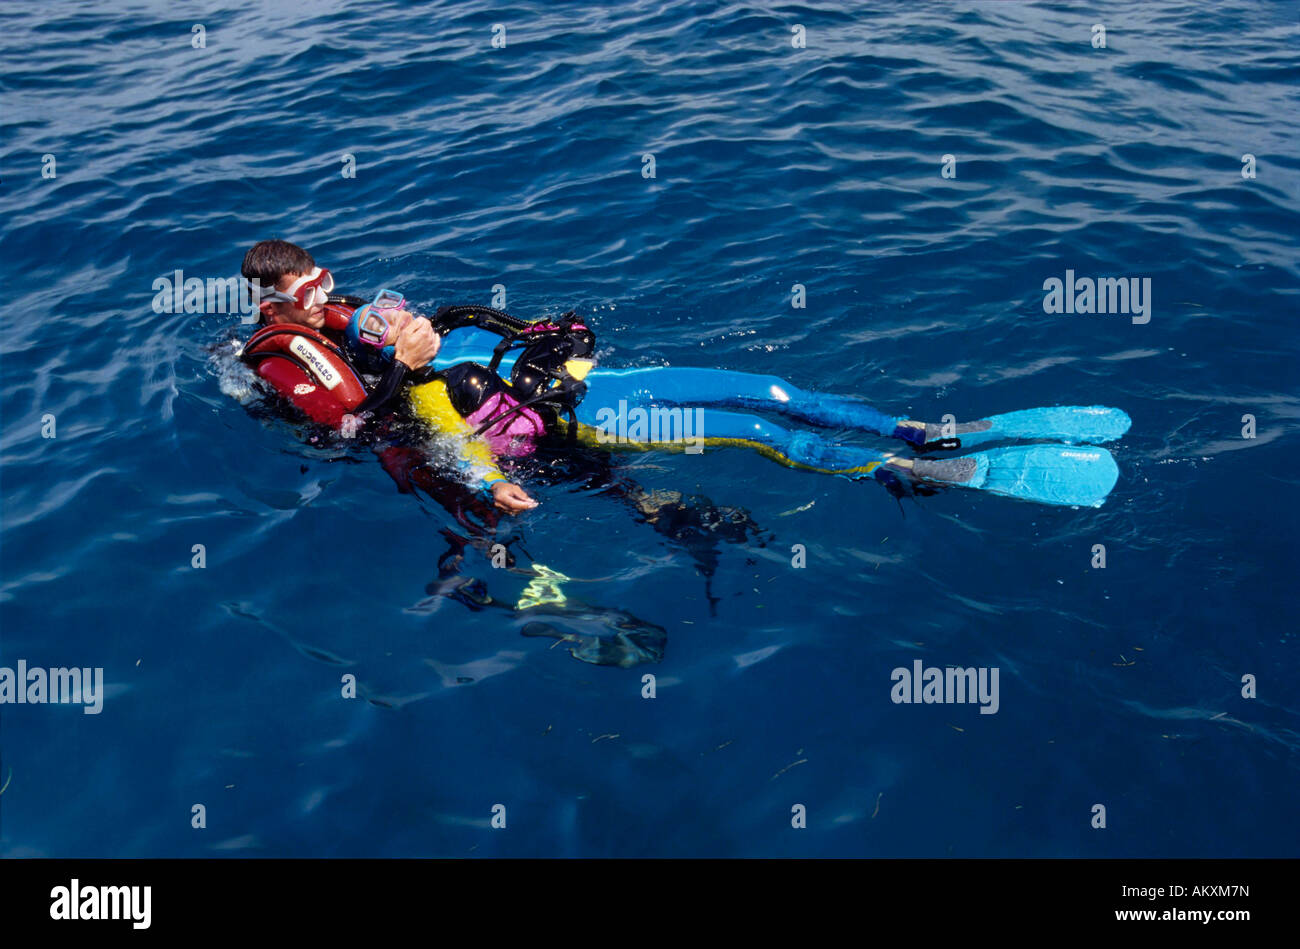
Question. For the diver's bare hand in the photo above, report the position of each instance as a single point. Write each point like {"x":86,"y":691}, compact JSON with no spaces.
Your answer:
{"x":417,"y":343}
{"x":511,"y":498}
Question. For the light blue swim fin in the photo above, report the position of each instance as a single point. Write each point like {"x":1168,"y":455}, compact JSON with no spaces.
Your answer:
{"x":1071,"y":424}
{"x":1048,"y":474}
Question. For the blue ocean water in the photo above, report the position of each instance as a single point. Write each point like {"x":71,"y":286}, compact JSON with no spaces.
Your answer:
{"x":774,"y":165}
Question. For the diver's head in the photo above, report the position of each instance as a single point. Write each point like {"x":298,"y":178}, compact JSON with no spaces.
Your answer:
{"x":298,"y":288}
{"x":372,"y":332}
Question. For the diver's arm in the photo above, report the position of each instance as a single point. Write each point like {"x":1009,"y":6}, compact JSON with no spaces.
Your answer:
{"x":377,"y":401}
{"x":476,"y":458}
{"x":511,"y":498}
{"x":387,"y":389}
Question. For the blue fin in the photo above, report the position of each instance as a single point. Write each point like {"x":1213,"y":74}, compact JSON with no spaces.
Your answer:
{"x":1048,"y":474}
{"x":1072,"y":424}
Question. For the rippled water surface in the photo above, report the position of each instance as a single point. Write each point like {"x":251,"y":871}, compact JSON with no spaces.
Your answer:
{"x":773,"y":166}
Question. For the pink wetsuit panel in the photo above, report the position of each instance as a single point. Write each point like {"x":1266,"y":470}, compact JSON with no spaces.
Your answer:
{"x":512,"y":437}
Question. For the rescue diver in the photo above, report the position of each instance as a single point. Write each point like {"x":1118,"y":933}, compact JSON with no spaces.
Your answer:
{"x":299,"y":349}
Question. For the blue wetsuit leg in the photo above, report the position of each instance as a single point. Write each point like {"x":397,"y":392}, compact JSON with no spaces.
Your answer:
{"x":690,"y":387}
{"x":699,"y":426}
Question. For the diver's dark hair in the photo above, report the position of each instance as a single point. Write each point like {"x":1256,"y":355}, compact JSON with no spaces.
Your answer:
{"x":268,"y":261}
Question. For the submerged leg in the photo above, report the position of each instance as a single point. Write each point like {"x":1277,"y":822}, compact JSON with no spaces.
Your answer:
{"x":720,"y":429}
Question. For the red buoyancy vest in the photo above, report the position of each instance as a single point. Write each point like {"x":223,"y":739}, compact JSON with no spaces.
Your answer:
{"x":307,"y":368}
